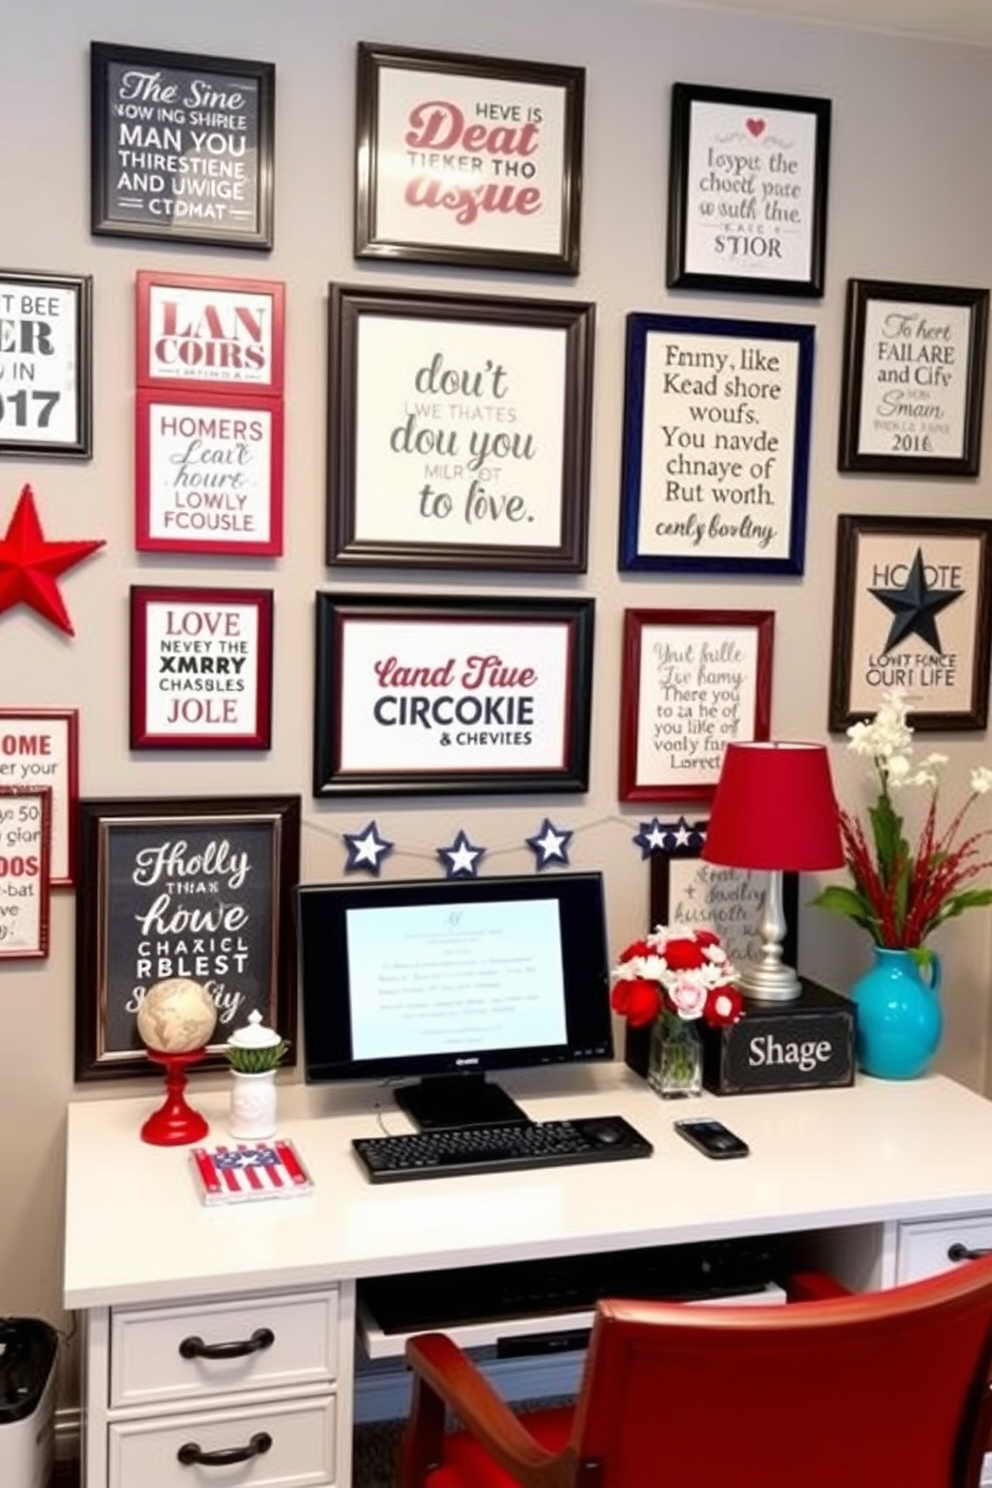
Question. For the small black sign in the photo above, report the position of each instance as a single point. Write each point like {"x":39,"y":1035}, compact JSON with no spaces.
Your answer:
{"x":802,"y":1045}
{"x":182,"y":146}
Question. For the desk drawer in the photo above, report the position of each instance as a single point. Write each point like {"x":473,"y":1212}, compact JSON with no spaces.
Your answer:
{"x":930,"y":1246}
{"x":297,"y":1437}
{"x":164,"y":1353}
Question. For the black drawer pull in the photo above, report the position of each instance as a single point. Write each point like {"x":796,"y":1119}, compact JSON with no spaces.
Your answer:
{"x":191,"y":1454}
{"x":959,"y":1252}
{"x":195,"y":1348}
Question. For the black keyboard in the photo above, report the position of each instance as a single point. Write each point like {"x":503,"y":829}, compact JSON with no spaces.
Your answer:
{"x":448,"y":1151}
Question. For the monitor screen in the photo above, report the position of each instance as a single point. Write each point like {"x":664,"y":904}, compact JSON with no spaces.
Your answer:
{"x":447,"y":979}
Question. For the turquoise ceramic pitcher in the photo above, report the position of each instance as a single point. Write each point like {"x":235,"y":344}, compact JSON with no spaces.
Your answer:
{"x":899,"y":1015}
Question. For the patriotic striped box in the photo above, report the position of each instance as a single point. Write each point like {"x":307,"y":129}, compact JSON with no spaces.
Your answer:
{"x":259,"y":1170}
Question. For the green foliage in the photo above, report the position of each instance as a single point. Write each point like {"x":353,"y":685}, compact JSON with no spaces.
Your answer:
{"x":255,"y":1061}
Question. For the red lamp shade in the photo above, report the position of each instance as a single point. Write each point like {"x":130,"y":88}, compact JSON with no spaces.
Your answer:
{"x":775,"y":808}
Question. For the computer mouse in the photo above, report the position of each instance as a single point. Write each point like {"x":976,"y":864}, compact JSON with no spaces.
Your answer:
{"x":605,"y":1133}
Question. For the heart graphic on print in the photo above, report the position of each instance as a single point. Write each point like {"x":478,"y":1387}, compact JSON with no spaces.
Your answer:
{"x":755,"y":127}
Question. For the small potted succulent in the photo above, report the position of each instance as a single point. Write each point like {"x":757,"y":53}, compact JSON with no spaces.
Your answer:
{"x":254,"y":1053}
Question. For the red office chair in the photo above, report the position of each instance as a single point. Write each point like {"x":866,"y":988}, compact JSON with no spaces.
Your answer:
{"x":889,"y":1389}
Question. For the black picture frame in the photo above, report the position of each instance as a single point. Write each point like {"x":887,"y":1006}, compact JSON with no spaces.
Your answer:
{"x":914,"y":378}
{"x":533,"y":111}
{"x":727,"y":492}
{"x":452,"y":695}
{"x":411,"y":479}
{"x":131,"y":852}
{"x":912,"y":611}
{"x":46,"y":360}
{"x":742,"y":941}
{"x":771,"y":152}
{"x":146,"y":101}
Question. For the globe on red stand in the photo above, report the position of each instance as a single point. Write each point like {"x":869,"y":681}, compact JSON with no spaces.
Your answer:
{"x":174,"y":1123}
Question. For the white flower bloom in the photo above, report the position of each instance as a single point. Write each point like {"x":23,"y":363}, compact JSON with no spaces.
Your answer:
{"x":896,"y":769}
{"x":981,"y":780}
{"x":688,"y":996}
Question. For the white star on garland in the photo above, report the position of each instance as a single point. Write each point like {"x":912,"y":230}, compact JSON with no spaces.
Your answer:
{"x":658,"y":836}
{"x":461,"y":859}
{"x":550,"y":845}
{"x":366,"y":850}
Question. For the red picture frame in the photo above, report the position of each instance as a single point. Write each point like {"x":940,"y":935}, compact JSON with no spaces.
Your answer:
{"x":692,"y":681}
{"x":41,"y":746}
{"x":217,"y":333}
{"x":208,"y":473}
{"x":25,"y":849}
{"x":201,"y":668}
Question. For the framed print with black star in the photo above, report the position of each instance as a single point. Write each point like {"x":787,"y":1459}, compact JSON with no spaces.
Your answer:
{"x":451,"y":695}
{"x":914,"y":375}
{"x":911,"y":611}
{"x":693,"y":681}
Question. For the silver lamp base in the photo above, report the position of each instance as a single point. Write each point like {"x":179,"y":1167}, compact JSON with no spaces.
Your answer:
{"x":768,"y":979}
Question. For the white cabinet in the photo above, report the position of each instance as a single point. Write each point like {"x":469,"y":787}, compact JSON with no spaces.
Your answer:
{"x":925,"y":1247}
{"x":241,"y":1390}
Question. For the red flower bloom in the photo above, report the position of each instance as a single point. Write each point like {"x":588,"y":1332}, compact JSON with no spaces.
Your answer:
{"x":638,"y":1001}
{"x":636,"y":948}
{"x":723,"y":1007}
{"x":707,"y":937}
{"x":684,"y":955}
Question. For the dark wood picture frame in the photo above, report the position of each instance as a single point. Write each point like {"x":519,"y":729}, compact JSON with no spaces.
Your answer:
{"x":534,"y":113}
{"x":783,"y":163}
{"x":451,"y":696}
{"x":184,"y":643}
{"x":727,"y":495}
{"x":25,"y":880}
{"x":142,"y":99}
{"x":204,"y":333}
{"x":737,"y":938}
{"x":912,"y":611}
{"x":42,"y":745}
{"x":691,"y":651}
{"x":914,"y":378}
{"x":133,"y":855}
{"x":405,"y":463}
{"x":46,"y":364}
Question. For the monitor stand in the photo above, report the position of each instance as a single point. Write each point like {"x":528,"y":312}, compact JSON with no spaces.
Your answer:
{"x":457,"y":1100}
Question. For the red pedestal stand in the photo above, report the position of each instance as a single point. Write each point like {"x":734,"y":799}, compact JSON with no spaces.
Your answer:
{"x":174,"y":1123}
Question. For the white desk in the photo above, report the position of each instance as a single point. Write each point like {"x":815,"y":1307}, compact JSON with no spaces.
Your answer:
{"x":884,"y":1177}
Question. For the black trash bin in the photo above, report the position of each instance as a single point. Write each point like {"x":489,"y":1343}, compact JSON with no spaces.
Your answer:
{"x":27,"y":1402}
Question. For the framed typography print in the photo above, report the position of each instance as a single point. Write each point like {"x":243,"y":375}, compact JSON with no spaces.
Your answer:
{"x":693,"y":681}
{"x":911,"y":611}
{"x":208,"y":473}
{"x":914,"y":378}
{"x":197,"y":888}
{"x":747,"y":191}
{"x":46,"y":395}
{"x":449,"y":696}
{"x":25,"y":875}
{"x":459,"y":431}
{"x":40,"y":746}
{"x":715,"y":445}
{"x":181,"y":146}
{"x":468,"y":160}
{"x":210,"y":334}
{"x":201,"y":668}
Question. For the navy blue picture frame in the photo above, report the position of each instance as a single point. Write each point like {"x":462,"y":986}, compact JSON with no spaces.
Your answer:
{"x":730,"y":401}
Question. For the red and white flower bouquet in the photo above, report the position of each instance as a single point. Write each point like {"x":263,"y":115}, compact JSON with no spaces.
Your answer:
{"x":686,"y":972}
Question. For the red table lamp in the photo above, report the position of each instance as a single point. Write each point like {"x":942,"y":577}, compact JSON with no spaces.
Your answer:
{"x":774,"y":809}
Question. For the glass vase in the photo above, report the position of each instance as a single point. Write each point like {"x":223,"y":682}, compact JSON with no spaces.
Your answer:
{"x":675,"y":1057}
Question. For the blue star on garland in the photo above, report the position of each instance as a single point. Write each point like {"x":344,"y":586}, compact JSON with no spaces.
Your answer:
{"x":461,"y":859}
{"x":366,"y":850}
{"x":658,"y":836}
{"x":550,"y":845}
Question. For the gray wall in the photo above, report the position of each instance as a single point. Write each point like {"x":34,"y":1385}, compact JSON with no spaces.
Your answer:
{"x":908,"y":200}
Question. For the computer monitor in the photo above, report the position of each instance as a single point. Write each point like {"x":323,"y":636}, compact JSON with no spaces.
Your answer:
{"x":445,"y":980}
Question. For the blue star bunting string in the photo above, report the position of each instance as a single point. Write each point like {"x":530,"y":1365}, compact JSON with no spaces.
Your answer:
{"x":550,"y":845}
{"x":658,"y":836}
{"x":366,"y":850}
{"x":461,"y":859}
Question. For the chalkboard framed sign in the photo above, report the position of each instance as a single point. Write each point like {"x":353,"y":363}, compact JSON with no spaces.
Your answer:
{"x":197,"y":888}
{"x":182,"y":146}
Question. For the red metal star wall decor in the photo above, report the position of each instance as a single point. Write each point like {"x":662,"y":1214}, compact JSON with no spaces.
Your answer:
{"x":29,"y":565}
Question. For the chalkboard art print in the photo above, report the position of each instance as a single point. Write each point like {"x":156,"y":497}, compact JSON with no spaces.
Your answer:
{"x":181,"y":147}
{"x":197,"y":888}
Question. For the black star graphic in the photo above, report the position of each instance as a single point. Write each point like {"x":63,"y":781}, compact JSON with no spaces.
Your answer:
{"x":915,"y":607}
